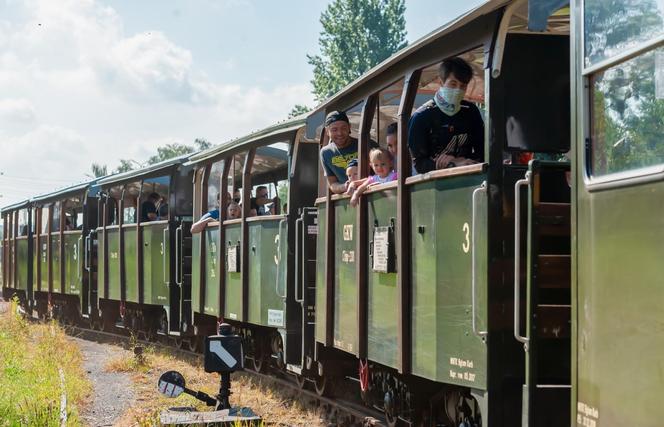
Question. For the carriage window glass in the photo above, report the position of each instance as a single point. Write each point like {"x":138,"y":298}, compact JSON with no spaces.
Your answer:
{"x":213,"y":183}
{"x":33,"y":220}
{"x":611,"y":27}
{"x":55,"y":217}
{"x":430,"y":81}
{"x":627,"y":110}
{"x":269,"y":167}
{"x":44,"y":219}
{"x":198,"y":186}
{"x":157,"y":188}
{"x":23,"y":222}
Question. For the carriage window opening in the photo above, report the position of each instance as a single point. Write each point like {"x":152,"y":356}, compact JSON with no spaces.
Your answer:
{"x":154,"y":198}
{"x":235,"y":182}
{"x":430,"y":82}
{"x":627,"y":109}
{"x":213,"y":183}
{"x":383,"y":125}
{"x":55,"y":217}
{"x":73,"y":213}
{"x":611,"y":27}
{"x":270,"y":166}
{"x":130,"y":202}
{"x":44,"y":219}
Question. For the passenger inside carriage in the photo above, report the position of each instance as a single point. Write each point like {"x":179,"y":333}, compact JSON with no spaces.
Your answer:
{"x":233,"y":211}
{"x":383,"y":167}
{"x":341,"y":149}
{"x":212,"y":215}
{"x":391,"y":140}
{"x":149,"y":208}
{"x":447,"y":131}
{"x":258,"y":203}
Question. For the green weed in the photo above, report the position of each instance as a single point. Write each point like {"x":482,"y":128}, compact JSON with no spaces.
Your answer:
{"x":32,"y":357}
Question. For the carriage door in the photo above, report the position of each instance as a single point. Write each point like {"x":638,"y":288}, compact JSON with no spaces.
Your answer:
{"x":620,"y":339}
{"x":306,"y":231}
{"x":531,"y":111}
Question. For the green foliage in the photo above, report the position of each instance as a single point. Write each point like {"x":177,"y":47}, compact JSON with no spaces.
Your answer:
{"x":628,"y":118}
{"x":202,"y":144}
{"x":31,"y":359}
{"x":357,"y":35}
{"x":126,"y":165}
{"x":166,"y":152}
{"x":297,"y":110}
{"x":282,"y":192}
{"x":98,"y":170}
{"x":170,"y":151}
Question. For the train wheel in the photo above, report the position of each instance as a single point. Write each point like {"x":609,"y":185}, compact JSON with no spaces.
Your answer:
{"x":323,"y":386}
{"x":192,"y":344}
{"x":300,"y":380}
{"x":389,"y":409}
{"x":259,"y":363}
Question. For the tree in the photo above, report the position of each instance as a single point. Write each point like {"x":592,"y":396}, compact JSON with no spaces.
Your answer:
{"x":169,"y":151}
{"x":97,"y":170}
{"x":297,"y":110}
{"x":357,"y":34}
{"x":202,"y":144}
{"x":126,"y":165}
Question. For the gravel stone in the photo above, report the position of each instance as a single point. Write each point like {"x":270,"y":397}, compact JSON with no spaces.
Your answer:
{"x":113,"y":392}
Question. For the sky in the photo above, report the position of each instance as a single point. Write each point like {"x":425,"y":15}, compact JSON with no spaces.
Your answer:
{"x":85,"y":81}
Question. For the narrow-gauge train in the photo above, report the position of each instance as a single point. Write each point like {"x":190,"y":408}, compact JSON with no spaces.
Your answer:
{"x":508,"y":292}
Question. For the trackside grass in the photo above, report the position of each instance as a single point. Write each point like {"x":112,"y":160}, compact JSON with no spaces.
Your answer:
{"x":38,"y":366}
{"x":268,"y":402}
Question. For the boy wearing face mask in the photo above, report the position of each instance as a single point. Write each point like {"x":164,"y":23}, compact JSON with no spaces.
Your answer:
{"x":447,"y":131}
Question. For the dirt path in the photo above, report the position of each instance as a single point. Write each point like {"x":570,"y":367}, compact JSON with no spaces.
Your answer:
{"x":113,"y":392}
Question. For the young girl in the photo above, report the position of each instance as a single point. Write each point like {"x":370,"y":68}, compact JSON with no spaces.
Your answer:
{"x":381,"y":162}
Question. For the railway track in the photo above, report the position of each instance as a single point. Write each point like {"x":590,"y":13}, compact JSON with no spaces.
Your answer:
{"x":336,"y":411}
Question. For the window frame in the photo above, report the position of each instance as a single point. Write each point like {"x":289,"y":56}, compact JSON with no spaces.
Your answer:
{"x":613,"y":180}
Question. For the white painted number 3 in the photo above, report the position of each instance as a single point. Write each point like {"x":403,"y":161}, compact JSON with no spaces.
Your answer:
{"x":466,"y":244}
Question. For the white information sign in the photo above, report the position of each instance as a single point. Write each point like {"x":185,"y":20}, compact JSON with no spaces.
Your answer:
{"x":275,"y":317}
{"x":381,"y":248}
{"x":231,"y":259}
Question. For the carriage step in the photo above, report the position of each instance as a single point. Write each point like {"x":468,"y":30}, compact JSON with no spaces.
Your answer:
{"x":550,"y":406}
{"x":553,"y":321}
{"x":554,"y":271}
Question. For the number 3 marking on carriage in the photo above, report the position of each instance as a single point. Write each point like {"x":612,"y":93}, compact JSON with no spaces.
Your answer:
{"x":466,"y":245}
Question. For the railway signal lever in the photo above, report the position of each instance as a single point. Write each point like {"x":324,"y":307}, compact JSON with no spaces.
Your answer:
{"x":224,"y":354}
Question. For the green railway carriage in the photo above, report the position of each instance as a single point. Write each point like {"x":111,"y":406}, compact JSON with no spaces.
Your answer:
{"x":252,"y":271}
{"x":64,"y":283}
{"x":143,"y":248}
{"x":416,"y":286}
{"x":17,"y":268}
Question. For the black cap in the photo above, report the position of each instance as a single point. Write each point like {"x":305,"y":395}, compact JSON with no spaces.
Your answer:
{"x":336,"y":116}
{"x":351,"y":163}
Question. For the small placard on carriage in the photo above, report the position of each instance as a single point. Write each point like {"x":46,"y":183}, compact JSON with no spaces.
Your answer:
{"x":381,"y":250}
{"x":233,"y":259}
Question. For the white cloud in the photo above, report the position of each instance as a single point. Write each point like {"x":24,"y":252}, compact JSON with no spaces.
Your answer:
{"x":76,"y":90}
{"x":16,"y":110}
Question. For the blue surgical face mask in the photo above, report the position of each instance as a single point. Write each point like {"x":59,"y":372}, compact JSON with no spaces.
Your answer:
{"x":449,"y":100}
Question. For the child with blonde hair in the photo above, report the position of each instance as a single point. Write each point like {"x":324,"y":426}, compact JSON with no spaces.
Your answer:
{"x":382,"y":164}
